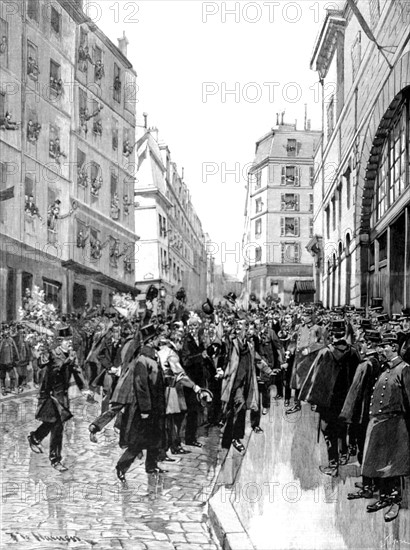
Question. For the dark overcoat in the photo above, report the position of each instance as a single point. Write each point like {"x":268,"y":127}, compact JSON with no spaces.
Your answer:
{"x":356,"y":406}
{"x":309,"y":340}
{"x":330,"y":377}
{"x":53,"y":403}
{"x":192,"y":361}
{"x":387,"y":445}
{"x":141,"y":389}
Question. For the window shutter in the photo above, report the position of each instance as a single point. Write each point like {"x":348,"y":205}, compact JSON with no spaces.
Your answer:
{"x":297,"y":253}
{"x":282,"y":199}
{"x":297,"y":203}
{"x":283,"y":247}
{"x":282,"y":227}
{"x":311,"y":175}
{"x":297,"y":227}
{"x":297,"y":176}
{"x":283,"y":178}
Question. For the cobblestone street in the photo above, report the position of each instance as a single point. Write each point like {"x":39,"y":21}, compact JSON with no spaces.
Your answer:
{"x":87,"y":507}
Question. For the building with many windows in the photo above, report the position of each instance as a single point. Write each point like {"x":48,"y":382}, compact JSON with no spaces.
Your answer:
{"x":361,"y":236}
{"x":60,"y":228}
{"x":279,"y":214}
{"x":171,"y":252}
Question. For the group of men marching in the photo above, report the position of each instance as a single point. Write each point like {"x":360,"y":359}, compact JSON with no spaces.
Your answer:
{"x":161,"y":379}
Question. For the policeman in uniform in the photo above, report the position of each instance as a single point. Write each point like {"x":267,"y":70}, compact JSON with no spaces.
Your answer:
{"x":387,"y":447}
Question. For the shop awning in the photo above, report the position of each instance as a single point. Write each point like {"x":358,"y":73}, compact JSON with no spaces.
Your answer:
{"x":304,"y":287}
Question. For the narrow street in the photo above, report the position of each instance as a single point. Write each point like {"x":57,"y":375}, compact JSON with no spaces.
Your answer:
{"x":87,"y":507}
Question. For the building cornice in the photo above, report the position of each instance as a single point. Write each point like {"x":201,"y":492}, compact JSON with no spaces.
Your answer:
{"x":325,"y":45}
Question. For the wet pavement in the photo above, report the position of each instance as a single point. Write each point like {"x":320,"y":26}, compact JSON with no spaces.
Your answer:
{"x":284,"y":502}
{"x":87,"y":507}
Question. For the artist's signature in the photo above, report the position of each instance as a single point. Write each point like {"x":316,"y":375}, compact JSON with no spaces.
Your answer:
{"x":390,"y":543}
{"x":20,"y":537}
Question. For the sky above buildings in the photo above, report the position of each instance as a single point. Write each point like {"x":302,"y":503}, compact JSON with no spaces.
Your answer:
{"x":212,"y":76}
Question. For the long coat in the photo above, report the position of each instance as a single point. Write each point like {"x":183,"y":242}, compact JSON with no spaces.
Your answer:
{"x":141,"y":388}
{"x":330,"y":377}
{"x":356,"y":406}
{"x":108,"y":356}
{"x":192,"y":360}
{"x":228,"y":381}
{"x":176,"y":378}
{"x":387,"y":445}
{"x":53,"y":404}
{"x":308,"y":341}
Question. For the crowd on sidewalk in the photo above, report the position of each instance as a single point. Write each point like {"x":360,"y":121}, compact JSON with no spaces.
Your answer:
{"x":162,"y":375}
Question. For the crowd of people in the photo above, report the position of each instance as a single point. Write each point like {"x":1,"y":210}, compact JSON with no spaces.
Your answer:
{"x":163,"y":376}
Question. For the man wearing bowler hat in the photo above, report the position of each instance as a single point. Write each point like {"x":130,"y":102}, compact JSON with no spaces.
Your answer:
{"x":140,"y":397}
{"x":53,"y":406}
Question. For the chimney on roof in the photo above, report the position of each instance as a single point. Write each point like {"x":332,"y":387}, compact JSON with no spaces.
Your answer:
{"x":305,"y":122}
{"x":123,"y":44}
{"x":309,"y":125}
{"x":154,"y":131}
{"x":282,"y":118}
{"x":277,"y":119}
{"x":182,"y":173}
{"x":145,"y":115}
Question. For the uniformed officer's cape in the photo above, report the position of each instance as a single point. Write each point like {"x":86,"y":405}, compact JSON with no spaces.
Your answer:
{"x":356,"y":406}
{"x":318,"y":387}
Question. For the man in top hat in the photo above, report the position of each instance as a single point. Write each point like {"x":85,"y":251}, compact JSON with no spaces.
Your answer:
{"x":110,"y":360}
{"x":53,"y":405}
{"x":386,"y":455}
{"x":193,"y":355}
{"x":140,"y":397}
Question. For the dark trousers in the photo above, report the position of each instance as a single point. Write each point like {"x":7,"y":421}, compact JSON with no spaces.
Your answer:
{"x":215,"y":411}
{"x":357,"y":436}
{"x":55,"y":429}
{"x":173,"y":424}
{"x":4,"y":369}
{"x":287,"y":376}
{"x":192,"y":416}
{"x":235,"y":419}
{"x":131,"y":453}
{"x":334,"y":433}
{"x":277,"y":380}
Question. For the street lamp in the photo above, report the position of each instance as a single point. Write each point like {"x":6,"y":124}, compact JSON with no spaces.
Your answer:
{"x":162,"y":292}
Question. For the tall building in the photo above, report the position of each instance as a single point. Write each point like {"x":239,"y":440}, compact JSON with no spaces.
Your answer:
{"x":279,"y":215}
{"x":361,"y":236}
{"x":58,"y":165}
{"x":171,"y":252}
